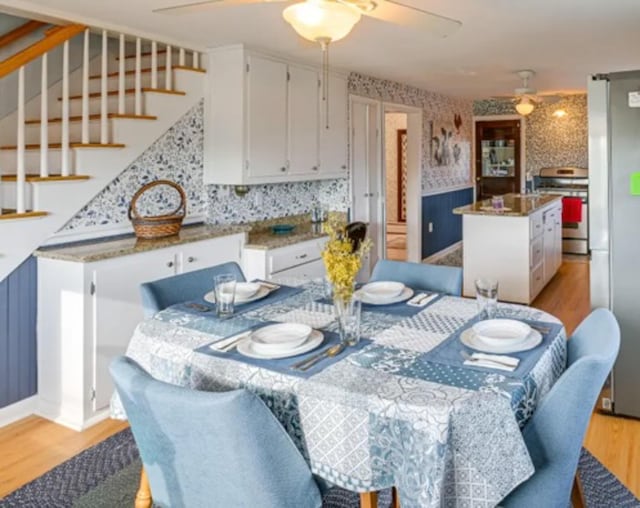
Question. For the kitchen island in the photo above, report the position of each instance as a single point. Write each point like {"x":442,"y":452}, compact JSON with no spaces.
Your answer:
{"x":520,"y":246}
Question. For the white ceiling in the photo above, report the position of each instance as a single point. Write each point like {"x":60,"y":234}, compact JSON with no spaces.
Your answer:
{"x":562,"y":40}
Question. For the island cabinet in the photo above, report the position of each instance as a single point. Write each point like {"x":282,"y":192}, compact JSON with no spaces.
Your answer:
{"x":520,"y":247}
{"x":266,"y":120}
{"x":298,"y":261}
{"x":88,"y":307}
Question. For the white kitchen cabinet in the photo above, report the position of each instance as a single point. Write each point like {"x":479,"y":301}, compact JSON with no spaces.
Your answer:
{"x":299,"y":260}
{"x":522,"y":252}
{"x":87,"y":312}
{"x":263,"y":120}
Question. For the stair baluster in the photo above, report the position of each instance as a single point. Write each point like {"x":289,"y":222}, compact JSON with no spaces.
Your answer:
{"x":104,"y":132}
{"x":121,"y":78}
{"x":196,"y":60}
{"x":168,"y":72}
{"x":138,"y":79}
{"x":65,"y":110}
{"x":154,"y":64}
{"x":85,"y":88}
{"x":44,"y":115}
{"x":181,"y":59}
{"x":20,"y":174}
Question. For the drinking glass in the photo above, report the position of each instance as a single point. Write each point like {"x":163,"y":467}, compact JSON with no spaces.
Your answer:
{"x":487,"y":297}
{"x":225,"y":288}
{"x":349,"y":320}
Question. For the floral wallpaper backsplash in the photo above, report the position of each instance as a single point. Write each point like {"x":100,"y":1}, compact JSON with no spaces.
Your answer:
{"x":178,"y":156}
{"x":550,"y":141}
{"x":437,"y":110}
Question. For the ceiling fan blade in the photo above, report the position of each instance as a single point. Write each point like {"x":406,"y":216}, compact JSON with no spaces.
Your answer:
{"x":405,"y":15}
{"x":549,"y":99}
{"x":201,"y":5}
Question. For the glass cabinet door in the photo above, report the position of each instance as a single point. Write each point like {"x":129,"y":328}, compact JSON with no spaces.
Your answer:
{"x":497,"y":157}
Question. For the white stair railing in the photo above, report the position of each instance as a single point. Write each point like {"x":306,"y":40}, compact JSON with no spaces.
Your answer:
{"x":84,"y":136}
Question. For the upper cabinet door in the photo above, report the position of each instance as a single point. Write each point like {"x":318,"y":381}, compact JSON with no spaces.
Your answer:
{"x":303,"y":120}
{"x":333,"y":134}
{"x":266,"y":117}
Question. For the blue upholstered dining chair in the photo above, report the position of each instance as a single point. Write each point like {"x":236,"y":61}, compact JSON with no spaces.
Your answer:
{"x":420,"y":276}
{"x":162,"y":293}
{"x":211,"y":449}
{"x":555,"y":433}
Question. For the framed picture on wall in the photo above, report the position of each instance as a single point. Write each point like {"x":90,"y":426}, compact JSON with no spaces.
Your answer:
{"x":445,"y":149}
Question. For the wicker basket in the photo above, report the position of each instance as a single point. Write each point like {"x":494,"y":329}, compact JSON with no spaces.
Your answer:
{"x":161,"y":225}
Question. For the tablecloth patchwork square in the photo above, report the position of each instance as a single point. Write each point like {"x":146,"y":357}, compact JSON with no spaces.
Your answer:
{"x":464,"y":308}
{"x":307,"y":317}
{"x":433,"y":321}
{"x":465,"y":486}
{"x":337,"y":435}
{"x":413,"y":339}
{"x":203,"y":322}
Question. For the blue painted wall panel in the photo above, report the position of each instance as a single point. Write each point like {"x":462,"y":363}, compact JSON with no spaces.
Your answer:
{"x":447,"y":227}
{"x":18,"y":301}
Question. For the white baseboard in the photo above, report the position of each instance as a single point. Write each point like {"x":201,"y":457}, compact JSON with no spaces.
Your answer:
{"x":442,"y":253}
{"x":51,"y":412}
{"x":18,"y":411}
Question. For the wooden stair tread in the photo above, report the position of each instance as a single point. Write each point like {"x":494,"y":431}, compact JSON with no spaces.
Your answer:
{"x":55,"y":146}
{"x":96,"y":117}
{"x":34,"y":177}
{"x":9,"y":213}
{"x":128,"y":91}
{"x":147,"y":70}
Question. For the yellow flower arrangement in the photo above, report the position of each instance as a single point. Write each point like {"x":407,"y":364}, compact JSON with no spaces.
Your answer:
{"x":342,"y":258}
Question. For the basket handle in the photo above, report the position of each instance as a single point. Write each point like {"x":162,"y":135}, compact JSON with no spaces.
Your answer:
{"x":133,"y":211}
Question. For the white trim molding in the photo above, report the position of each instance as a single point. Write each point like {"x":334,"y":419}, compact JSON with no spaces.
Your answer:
{"x":18,"y":410}
{"x":442,"y":253}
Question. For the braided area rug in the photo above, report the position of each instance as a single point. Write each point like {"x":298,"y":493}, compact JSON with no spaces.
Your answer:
{"x":107,"y":475}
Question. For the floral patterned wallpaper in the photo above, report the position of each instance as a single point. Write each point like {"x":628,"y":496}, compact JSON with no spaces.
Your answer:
{"x":438,"y":111}
{"x":550,"y":141}
{"x":178,"y":156}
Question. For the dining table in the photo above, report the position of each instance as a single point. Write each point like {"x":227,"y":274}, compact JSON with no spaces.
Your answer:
{"x":403,"y":408}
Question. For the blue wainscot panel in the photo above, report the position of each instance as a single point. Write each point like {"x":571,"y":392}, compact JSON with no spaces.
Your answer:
{"x":18,"y":301}
{"x":447,"y":227}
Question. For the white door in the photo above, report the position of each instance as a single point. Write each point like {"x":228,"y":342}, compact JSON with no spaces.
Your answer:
{"x":366,"y":175}
{"x":303,"y":121}
{"x":117,"y":308}
{"x":333,"y":134}
{"x":266,"y":117}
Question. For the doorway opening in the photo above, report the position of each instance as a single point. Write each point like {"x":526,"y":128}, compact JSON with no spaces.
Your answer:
{"x":395,"y":157}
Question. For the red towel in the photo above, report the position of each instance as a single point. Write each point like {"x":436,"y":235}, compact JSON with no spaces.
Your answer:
{"x":571,"y":209}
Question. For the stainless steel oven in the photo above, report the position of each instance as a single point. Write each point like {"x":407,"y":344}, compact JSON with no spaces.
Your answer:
{"x":569,"y":182}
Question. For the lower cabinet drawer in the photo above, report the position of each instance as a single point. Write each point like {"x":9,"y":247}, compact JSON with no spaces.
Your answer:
{"x":537,"y":251}
{"x":537,"y":280}
{"x":306,"y":271}
{"x":536,"y":224}
{"x":293,"y":255}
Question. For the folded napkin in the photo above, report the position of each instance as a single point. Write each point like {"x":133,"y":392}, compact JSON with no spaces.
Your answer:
{"x":500,"y":362}
{"x":422,"y":299}
{"x":224,"y":343}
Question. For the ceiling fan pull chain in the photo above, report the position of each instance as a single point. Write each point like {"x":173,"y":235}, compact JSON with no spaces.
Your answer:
{"x":325,"y":80}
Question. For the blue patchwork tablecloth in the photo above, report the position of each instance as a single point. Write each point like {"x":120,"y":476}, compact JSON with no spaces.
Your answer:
{"x":399,"y":411}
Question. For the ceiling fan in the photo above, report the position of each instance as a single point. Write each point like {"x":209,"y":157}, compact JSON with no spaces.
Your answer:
{"x":526,"y":98}
{"x":345,"y":13}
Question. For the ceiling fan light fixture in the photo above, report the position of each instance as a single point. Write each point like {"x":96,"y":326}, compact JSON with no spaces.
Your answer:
{"x":322,"y":20}
{"x":525,"y":106}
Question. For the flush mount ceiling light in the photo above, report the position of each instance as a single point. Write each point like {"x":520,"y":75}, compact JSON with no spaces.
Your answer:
{"x":559,"y":113}
{"x":525,"y":106}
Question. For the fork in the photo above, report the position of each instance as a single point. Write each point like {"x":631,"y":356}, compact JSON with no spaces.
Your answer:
{"x":471,"y":358}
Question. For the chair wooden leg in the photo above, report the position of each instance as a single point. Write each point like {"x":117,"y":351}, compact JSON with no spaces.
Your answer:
{"x":143,"y":496}
{"x":395,"y":498}
{"x":369,"y":500}
{"x":577,"y":494}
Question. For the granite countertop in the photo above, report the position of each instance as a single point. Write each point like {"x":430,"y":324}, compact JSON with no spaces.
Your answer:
{"x":264,"y":239}
{"x":515,"y":205}
{"x":98,"y":250}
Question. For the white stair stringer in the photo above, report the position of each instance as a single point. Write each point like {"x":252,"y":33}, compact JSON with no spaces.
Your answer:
{"x":62,"y":200}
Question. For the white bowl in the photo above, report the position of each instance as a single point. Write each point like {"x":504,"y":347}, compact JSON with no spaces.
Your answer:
{"x":501,"y":332}
{"x":382,"y":290}
{"x":279,"y":337}
{"x":245,"y":290}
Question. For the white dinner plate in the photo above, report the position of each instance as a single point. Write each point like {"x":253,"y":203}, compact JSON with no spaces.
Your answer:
{"x":364,"y":297}
{"x":501,"y":332}
{"x":279,"y":337}
{"x":382,"y":290}
{"x":246,"y":290}
{"x":470,"y":339}
{"x":246,"y":348}
{"x":261,"y":293}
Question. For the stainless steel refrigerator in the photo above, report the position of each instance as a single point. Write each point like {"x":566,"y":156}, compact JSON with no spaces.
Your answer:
{"x":614,"y":224}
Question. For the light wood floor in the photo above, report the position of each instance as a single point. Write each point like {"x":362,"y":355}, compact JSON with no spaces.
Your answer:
{"x":32,"y":446}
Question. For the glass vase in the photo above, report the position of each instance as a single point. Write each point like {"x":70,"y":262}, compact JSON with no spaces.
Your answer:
{"x":348,"y":314}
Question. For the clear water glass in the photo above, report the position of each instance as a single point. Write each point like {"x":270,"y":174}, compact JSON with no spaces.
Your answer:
{"x":225,"y":288}
{"x":487,"y":297}
{"x":349,"y":321}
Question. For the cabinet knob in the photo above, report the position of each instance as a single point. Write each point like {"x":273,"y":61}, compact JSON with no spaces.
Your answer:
{"x":344,"y":166}
{"x":190,"y":259}
{"x":301,"y":256}
{"x":315,"y":168}
{"x":170,"y":264}
{"x":283,"y":169}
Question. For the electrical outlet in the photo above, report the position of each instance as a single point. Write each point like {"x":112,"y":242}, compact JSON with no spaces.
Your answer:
{"x":257,"y":200}
{"x":431,"y":227}
{"x":606,"y":404}
{"x":225,"y":191}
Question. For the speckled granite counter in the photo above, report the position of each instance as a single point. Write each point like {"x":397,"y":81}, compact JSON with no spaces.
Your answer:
{"x":98,"y":250}
{"x":515,"y":205}
{"x":264,"y":239}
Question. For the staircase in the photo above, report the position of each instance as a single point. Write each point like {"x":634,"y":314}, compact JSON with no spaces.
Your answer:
{"x":61,"y":148}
